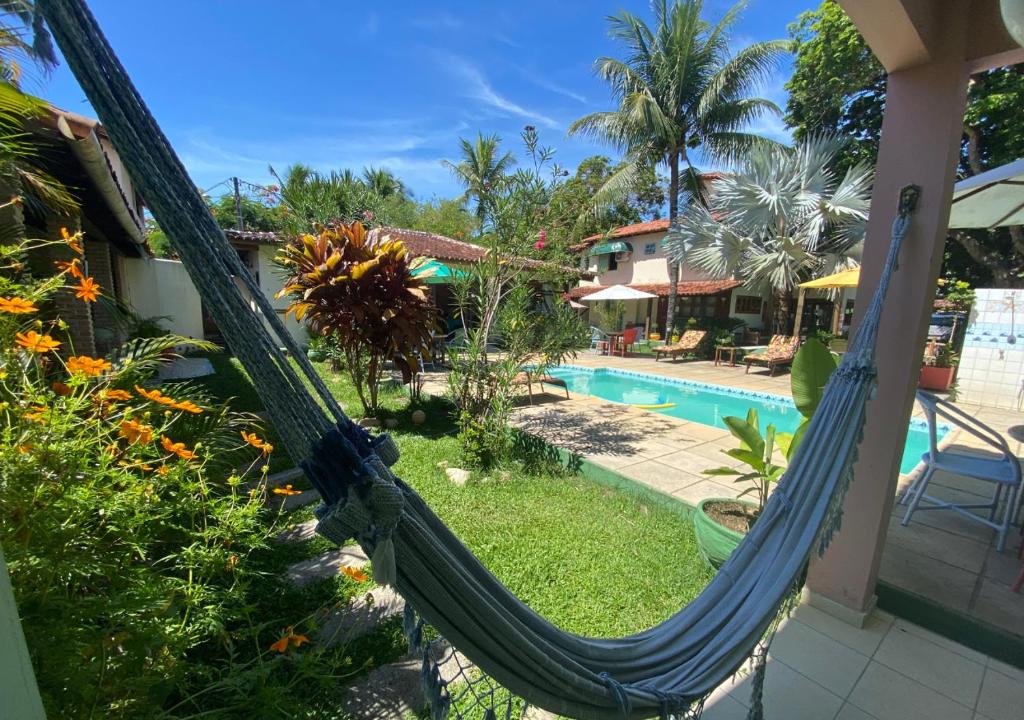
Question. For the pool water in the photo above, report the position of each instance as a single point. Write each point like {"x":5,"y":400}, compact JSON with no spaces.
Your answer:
{"x":708,"y":404}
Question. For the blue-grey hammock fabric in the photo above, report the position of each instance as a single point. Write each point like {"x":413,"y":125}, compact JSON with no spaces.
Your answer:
{"x":665,"y":671}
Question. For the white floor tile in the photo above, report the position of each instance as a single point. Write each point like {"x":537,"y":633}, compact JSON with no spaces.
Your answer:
{"x":864,"y":640}
{"x":1002,"y":697}
{"x":724,"y":707}
{"x":885,"y":694}
{"x":802,"y":648}
{"x":852,"y":712}
{"x":790,"y":695}
{"x":932,"y":665}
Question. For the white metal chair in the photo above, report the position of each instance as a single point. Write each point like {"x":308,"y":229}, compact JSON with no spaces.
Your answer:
{"x":598,"y":339}
{"x":1004,"y":472}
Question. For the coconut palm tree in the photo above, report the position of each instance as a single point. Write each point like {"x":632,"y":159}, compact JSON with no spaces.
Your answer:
{"x":679,"y":89}
{"x":383,"y":182}
{"x":784,"y":218}
{"x":480,"y":170}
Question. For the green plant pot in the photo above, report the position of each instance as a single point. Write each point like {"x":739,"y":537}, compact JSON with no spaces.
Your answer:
{"x":316,"y":355}
{"x":715,"y":542}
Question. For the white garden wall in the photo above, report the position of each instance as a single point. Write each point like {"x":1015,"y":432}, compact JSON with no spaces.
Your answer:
{"x":163,"y":288}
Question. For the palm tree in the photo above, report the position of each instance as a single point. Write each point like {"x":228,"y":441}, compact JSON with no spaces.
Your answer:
{"x":480,"y":170}
{"x":680,"y":88}
{"x":784,"y":218}
{"x":383,"y":182}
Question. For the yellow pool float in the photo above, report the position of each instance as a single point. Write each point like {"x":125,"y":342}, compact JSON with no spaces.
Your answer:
{"x":660,"y":406}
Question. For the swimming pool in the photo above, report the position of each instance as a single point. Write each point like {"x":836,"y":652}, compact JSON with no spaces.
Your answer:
{"x":708,"y":404}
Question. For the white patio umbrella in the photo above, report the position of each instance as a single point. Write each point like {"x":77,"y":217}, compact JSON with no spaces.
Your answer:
{"x":618,"y":292}
{"x":992,"y":199}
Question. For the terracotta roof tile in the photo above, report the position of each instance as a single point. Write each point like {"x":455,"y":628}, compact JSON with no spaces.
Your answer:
{"x":692,"y":287}
{"x":439,"y":247}
{"x":643,"y":228}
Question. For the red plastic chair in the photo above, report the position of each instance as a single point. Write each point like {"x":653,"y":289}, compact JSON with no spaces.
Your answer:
{"x":628,"y":338}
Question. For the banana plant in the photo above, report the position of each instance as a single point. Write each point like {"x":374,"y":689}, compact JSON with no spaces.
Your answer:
{"x":812,"y":367}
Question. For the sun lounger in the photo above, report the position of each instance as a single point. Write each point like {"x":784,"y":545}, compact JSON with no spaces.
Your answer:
{"x":779,"y":353}
{"x":687,"y":344}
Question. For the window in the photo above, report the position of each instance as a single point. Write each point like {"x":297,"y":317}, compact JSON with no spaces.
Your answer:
{"x":748,"y":305}
{"x":650,"y":248}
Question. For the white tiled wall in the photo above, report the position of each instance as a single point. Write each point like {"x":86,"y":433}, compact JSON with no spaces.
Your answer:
{"x":992,"y":363}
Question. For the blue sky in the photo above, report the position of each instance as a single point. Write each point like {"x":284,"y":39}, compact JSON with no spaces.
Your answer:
{"x":240,"y":86}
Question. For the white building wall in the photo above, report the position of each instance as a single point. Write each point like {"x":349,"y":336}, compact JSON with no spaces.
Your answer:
{"x":163,"y":288}
{"x":991,"y":369}
{"x":271,"y":282}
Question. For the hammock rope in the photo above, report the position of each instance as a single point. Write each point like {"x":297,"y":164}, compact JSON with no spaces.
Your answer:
{"x":665,"y":671}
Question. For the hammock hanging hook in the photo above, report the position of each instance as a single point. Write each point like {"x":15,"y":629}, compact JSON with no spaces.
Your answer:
{"x":909,"y":196}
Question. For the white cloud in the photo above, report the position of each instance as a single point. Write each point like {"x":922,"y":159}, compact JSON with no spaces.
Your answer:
{"x":479,"y":88}
{"x":540,"y":80}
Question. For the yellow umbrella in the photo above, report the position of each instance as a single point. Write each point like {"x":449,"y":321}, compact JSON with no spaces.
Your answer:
{"x":844,"y":279}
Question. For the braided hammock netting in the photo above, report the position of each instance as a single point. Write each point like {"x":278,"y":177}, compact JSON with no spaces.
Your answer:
{"x":507,"y":655}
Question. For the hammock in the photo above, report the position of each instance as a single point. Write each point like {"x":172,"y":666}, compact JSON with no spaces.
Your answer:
{"x":666,"y":671}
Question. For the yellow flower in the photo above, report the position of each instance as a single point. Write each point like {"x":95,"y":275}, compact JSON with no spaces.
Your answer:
{"x":286,"y":490}
{"x":155,"y":395}
{"x":17,"y":306}
{"x":162,"y":470}
{"x":87,"y":365}
{"x":73,"y":241}
{"x":257,"y":443}
{"x":35,"y":342}
{"x":178,"y":449}
{"x":187,"y":407}
{"x":71,"y":267}
{"x":289,"y":638}
{"x":136,"y":433}
{"x":37,"y":413}
{"x":87,"y":290}
{"x":354,"y":573}
{"x":115,"y":394}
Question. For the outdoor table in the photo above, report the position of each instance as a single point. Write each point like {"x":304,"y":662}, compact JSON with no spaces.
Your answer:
{"x":721,"y":351}
{"x":614,"y":339}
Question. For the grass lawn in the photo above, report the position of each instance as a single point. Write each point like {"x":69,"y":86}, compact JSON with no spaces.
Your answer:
{"x":593,"y":560}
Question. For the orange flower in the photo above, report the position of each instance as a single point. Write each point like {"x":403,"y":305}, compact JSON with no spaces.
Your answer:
{"x":232,"y":563}
{"x":354,"y":573}
{"x":35,"y":342}
{"x":73,"y":241}
{"x":115,"y":394}
{"x":25,"y":449}
{"x":155,"y":395}
{"x":87,"y":365}
{"x":257,"y":443}
{"x":286,"y":490}
{"x":37,"y":414}
{"x":136,"y":433}
{"x":187,"y":407}
{"x":178,"y":449}
{"x":87,"y":290}
{"x":70,"y":267}
{"x":291,"y":638}
{"x":17,"y":306}
{"x":60,"y":388}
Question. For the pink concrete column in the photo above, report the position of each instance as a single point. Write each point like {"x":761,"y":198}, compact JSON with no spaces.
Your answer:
{"x":920,"y":144}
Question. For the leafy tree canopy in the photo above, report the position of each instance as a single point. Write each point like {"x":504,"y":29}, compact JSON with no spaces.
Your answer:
{"x":838,"y":86}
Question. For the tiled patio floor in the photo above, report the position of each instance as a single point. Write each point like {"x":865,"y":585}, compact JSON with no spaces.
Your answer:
{"x":940,"y":556}
{"x":820,"y":668}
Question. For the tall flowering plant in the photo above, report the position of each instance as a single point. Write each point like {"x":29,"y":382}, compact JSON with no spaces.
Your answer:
{"x":123,"y":521}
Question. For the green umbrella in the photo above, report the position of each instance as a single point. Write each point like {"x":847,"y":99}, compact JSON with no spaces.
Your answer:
{"x":434,"y":272}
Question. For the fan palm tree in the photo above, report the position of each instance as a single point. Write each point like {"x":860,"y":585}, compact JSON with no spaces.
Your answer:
{"x":480,"y":170}
{"x":784,"y":218}
{"x":680,"y":88}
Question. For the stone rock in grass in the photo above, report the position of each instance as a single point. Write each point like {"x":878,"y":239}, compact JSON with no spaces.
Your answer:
{"x":369,"y":422}
{"x":391,"y":423}
{"x":394,"y":691}
{"x":299,"y":532}
{"x":365,"y":612}
{"x":457,"y":475}
{"x":327,"y":565}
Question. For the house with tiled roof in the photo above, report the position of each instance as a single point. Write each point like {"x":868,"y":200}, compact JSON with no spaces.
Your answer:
{"x":633,"y":255}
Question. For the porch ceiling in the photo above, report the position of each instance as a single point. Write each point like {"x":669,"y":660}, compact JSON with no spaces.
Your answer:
{"x":907,"y":33}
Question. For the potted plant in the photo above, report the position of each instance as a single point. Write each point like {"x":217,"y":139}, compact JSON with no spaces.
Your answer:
{"x":938,"y":368}
{"x":721,"y":523}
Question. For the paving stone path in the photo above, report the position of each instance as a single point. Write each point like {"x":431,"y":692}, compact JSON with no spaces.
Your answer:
{"x":389,"y":692}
